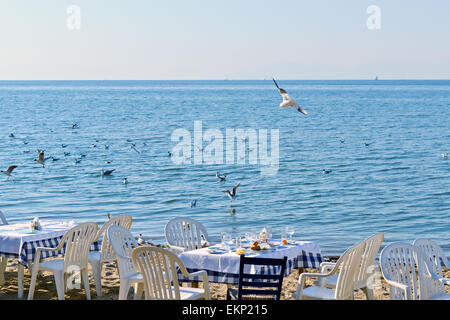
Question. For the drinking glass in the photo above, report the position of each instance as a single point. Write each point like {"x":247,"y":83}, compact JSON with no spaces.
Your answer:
{"x":225,"y":240}
{"x":290,"y":232}
{"x":269,"y":232}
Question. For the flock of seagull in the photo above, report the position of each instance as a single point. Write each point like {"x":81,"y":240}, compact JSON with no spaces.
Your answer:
{"x":288,"y":101}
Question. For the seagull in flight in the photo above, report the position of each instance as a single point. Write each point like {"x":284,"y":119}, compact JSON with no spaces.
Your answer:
{"x":232,"y":195}
{"x":9,"y":171}
{"x":288,"y":101}
{"x":41,"y":158}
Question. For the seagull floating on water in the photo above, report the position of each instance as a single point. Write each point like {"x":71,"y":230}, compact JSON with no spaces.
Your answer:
{"x":125,"y":180}
{"x":326,"y":171}
{"x":9,"y":171}
{"x":75,"y":126}
{"x":107,"y":172}
{"x":221,"y":177}
{"x":11,"y":135}
{"x":444,"y":156}
{"x":288,"y":101}
{"x":170,"y":153}
{"x":366,"y":144}
{"x":232,"y":195}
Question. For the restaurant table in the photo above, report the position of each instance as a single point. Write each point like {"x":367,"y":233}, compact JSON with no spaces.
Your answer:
{"x":19,"y":242}
{"x":224,"y":267}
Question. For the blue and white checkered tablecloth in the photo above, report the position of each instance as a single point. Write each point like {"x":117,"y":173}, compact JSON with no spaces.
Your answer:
{"x":304,"y":259}
{"x":28,"y":251}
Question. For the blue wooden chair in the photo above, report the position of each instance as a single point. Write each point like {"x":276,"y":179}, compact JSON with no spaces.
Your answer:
{"x":259,"y":286}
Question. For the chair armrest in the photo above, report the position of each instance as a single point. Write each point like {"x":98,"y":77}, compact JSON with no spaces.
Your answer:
{"x":326,"y":267}
{"x":404,"y":287}
{"x":325,"y":263}
{"x":37,"y":257}
{"x":205,"y":280}
{"x":302,"y":280}
{"x":177,"y":250}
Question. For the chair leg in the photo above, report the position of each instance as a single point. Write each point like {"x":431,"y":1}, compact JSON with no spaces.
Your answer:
{"x":97,"y":271}
{"x":34,"y":274}
{"x":138,"y":290}
{"x":369,"y":293}
{"x":85,"y":280}
{"x":3,"y":262}
{"x":59,"y":282}
{"x":123,"y":289}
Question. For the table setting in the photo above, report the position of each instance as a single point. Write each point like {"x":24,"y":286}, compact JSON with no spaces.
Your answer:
{"x":221,"y":261}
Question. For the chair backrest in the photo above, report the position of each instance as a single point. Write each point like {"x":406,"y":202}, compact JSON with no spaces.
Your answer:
{"x":78,"y":241}
{"x":107,"y":252}
{"x":261,"y":284}
{"x":3,"y":218}
{"x":159,"y":271}
{"x":372,"y":246}
{"x":186,"y":233}
{"x":400,"y":262}
{"x":348,"y":264}
{"x":122,"y":243}
{"x":435,"y":253}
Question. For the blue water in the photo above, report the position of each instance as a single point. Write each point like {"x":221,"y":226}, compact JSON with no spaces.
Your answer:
{"x":398,"y":185}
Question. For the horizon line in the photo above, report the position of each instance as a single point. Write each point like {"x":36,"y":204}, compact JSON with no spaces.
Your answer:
{"x":226,"y":79}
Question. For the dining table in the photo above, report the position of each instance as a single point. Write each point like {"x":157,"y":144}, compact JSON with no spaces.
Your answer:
{"x":222,"y":262}
{"x":18,"y":241}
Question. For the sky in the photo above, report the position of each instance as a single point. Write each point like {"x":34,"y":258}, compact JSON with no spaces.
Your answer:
{"x":232,"y":39}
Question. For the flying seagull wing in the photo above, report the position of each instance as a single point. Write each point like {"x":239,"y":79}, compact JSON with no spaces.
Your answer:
{"x":228,"y":194}
{"x":235,"y":188}
{"x":11,"y":168}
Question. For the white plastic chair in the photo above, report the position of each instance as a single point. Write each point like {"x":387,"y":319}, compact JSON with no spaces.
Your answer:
{"x":436,"y":257}
{"x":123,"y":243}
{"x":410,"y":274}
{"x":159,"y":270}
{"x":366,"y":269}
{"x":185,"y":234}
{"x":436,"y":253}
{"x":78,"y":241}
{"x":106,"y":253}
{"x":347,"y":266}
{"x":3,"y":261}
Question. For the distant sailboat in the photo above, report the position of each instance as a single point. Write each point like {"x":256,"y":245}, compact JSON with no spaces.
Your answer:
{"x":376,"y":78}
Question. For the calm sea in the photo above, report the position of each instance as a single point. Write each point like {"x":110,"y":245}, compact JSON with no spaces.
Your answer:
{"x":399,"y":184}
